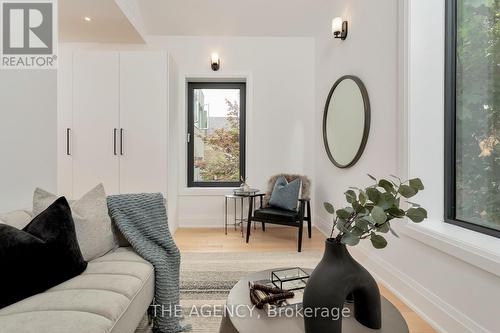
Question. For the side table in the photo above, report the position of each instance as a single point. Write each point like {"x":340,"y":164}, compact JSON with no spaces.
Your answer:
{"x":241,"y":196}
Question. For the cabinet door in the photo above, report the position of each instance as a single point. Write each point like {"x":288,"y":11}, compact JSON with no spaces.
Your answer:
{"x":95,"y":116}
{"x":65,"y":123}
{"x":143,"y":119}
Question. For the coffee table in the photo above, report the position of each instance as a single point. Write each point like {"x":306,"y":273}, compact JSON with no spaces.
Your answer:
{"x":259,"y":322}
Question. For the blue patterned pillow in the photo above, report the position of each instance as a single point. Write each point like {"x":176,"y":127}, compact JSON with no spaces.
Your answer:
{"x":285,"y":194}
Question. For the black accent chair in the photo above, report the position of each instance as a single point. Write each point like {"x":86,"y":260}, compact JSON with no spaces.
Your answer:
{"x":269,"y":214}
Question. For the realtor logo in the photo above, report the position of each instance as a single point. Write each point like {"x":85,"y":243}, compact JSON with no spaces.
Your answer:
{"x":29,"y":38}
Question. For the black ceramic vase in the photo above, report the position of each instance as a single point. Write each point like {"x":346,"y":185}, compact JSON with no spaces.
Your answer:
{"x":337,"y":276}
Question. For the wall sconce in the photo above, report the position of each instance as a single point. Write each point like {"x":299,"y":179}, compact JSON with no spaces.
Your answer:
{"x":215,"y":63}
{"x":339,"y":28}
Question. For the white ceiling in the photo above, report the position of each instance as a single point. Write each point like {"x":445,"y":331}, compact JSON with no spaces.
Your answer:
{"x":108,"y":24}
{"x":232,"y":17}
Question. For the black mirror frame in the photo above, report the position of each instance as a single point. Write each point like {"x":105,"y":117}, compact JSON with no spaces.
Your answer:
{"x":366,"y":131}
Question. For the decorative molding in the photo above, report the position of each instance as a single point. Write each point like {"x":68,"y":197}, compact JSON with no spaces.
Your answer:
{"x":460,"y":249}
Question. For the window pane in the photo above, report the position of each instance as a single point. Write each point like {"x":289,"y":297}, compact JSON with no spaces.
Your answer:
{"x":478,"y":113}
{"x":216,"y":135}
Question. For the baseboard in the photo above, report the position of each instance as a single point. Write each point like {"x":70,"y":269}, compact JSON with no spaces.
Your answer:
{"x":441,"y":315}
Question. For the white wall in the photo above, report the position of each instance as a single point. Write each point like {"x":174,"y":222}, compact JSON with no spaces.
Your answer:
{"x":369,"y":52}
{"x":447,"y":274}
{"x":280,"y":109}
{"x":28,"y":114}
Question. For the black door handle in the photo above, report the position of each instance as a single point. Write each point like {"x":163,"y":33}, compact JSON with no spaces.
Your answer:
{"x":68,"y":149}
{"x":121,"y":141}
{"x":114,"y":141}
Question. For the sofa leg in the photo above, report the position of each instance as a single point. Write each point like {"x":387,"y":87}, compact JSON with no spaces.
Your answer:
{"x":248,"y":229}
{"x":301,"y":226}
{"x":263,"y":226}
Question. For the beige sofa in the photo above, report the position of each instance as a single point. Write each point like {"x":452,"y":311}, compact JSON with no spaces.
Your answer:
{"x":112,"y":295}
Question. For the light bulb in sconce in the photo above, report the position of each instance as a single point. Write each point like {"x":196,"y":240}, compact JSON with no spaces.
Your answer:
{"x":339,"y":28}
{"x":215,"y":62}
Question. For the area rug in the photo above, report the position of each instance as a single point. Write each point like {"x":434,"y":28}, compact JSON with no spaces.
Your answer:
{"x":207,"y":278}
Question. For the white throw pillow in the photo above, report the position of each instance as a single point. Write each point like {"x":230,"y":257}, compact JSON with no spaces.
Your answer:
{"x":17,"y":218}
{"x":92,"y":221}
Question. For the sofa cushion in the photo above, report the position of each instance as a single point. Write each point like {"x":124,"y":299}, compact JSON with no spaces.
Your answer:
{"x":273,"y":214}
{"x":111,"y":295}
{"x":92,"y":222}
{"x":17,"y":218}
{"x":42,"y":255}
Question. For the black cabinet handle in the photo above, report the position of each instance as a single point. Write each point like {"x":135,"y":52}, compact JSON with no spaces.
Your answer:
{"x":68,"y":134}
{"x":121,"y":141}
{"x":114,"y":141}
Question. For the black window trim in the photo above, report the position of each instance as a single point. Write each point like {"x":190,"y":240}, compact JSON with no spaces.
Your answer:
{"x":450,"y":125}
{"x":237,"y":84}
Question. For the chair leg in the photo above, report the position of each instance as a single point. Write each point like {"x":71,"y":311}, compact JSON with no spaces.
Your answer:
{"x":263,"y":226}
{"x":248,"y":229}
{"x":309,"y":218}
{"x":301,"y":226}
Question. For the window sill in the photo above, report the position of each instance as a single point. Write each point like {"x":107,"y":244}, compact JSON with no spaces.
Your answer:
{"x":206,"y":191}
{"x":472,"y":247}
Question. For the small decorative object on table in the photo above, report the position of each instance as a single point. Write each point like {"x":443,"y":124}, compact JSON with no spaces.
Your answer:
{"x":338,"y":275}
{"x":277,"y":292}
{"x":290,"y":279}
{"x":244,"y":186}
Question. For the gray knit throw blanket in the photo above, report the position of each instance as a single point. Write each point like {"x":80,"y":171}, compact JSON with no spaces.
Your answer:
{"x":142,"y":219}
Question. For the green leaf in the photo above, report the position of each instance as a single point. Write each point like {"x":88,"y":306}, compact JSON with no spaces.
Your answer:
{"x":379,"y":215}
{"x":362,"y":224}
{"x":393,"y":232}
{"x":375,"y":179}
{"x":417,"y":215}
{"x":396,"y":212}
{"x":357,"y":207}
{"x":407,"y":191}
{"x":357,"y":232}
{"x":343,"y":214}
{"x":413,"y":204}
{"x":386,"y":201}
{"x":378,"y":241}
{"x":362,"y":198}
{"x":329,"y":208}
{"x":369,"y":219}
{"x":341,"y":225}
{"x":349,"y":239}
{"x":350,"y":196}
{"x":386,"y":185}
{"x":416,"y":184}
{"x":384,"y":228}
{"x":373,"y":194}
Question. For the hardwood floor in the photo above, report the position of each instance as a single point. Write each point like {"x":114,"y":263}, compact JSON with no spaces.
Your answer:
{"x":276,"y":239}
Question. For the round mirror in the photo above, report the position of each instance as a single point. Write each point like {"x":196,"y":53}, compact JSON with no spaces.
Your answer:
{"x":346,"y":121}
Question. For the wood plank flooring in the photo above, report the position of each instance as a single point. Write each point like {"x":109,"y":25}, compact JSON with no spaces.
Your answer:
{"x":276,"y":239}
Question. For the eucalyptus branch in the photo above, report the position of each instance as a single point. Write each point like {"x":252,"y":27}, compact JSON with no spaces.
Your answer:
{"x":371,"y":209}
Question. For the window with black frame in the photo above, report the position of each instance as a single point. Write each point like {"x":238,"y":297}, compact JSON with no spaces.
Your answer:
{"x":472,"y":142}
{"x":216,"y":134}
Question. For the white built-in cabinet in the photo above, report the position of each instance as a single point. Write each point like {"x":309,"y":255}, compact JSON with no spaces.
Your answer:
{"x":113,"y":122}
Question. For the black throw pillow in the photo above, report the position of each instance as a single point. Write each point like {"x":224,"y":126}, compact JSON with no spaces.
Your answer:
{"x":42,"y":255}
